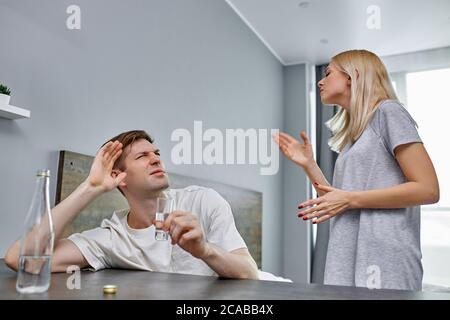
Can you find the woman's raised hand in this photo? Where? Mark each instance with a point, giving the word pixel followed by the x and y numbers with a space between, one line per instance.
pixel 294 150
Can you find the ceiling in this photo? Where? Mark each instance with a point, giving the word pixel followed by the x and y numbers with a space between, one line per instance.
pixel 298 31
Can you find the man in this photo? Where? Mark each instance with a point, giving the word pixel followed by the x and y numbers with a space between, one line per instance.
pixel 204 238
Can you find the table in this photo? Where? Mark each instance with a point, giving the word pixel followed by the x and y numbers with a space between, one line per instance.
pixel 143 285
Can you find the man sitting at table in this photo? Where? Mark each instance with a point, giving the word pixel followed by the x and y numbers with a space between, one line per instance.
pixel 204 238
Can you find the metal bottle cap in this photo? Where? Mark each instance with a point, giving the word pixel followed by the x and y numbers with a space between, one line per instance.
pixel 43 173
pixel 110 289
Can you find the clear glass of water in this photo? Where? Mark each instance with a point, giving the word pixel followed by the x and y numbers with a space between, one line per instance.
pixel 164 207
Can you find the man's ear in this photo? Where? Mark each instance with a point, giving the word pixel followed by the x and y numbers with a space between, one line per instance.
pixel 115 173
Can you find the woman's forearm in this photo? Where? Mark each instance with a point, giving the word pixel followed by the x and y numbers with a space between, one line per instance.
pixel 315 174
pixel 408 194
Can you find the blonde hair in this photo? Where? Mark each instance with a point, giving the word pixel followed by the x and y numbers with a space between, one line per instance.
pixel 370 85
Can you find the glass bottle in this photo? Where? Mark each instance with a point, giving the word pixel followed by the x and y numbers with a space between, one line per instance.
pixel 36 245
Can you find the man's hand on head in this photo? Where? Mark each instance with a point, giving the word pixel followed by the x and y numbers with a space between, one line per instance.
pixel 186 232
pixel 100 175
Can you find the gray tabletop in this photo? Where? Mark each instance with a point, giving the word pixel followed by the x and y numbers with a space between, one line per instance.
pixel 157 285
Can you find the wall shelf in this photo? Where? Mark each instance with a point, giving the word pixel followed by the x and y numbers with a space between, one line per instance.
pixel 11 112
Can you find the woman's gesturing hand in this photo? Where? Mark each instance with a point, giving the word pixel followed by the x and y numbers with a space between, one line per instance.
pixel 333 202
pixel 301 154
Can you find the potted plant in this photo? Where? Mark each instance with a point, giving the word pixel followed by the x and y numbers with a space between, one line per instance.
pixel 4 94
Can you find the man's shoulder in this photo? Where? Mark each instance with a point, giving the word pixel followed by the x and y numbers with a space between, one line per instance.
pixel 199 194
pixel 192 190
pixel 116 220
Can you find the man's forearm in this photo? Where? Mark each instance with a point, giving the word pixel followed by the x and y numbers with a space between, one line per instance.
pixel 62 215
pixel 405 195
pixel 230 265
pixel 69 208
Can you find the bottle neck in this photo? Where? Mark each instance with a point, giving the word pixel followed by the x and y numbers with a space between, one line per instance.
pixel 42 185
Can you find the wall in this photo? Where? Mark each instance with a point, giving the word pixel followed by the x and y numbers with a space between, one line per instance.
pixel 296 232
pixel 153 65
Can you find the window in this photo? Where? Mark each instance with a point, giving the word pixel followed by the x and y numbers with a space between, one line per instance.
pixel 429 104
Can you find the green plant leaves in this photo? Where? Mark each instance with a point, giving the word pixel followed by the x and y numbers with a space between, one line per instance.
pixel 5 90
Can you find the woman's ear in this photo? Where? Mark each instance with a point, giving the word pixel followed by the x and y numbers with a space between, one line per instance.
pixel 349 81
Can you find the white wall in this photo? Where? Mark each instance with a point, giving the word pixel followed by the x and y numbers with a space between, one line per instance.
pixel 296 232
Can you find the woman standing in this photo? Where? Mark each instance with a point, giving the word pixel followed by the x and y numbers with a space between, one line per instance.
pixel 381 177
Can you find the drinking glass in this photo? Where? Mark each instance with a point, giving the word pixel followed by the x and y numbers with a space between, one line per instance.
pixel 164 207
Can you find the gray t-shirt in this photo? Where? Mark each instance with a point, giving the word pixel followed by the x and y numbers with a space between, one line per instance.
pixel 376 248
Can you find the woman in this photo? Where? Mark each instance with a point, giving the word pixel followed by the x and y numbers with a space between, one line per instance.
pixel 381 177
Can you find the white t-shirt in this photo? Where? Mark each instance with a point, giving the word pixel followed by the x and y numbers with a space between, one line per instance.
pixel 115 245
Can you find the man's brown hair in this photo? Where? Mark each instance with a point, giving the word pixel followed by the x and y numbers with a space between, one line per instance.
pixel 127 139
